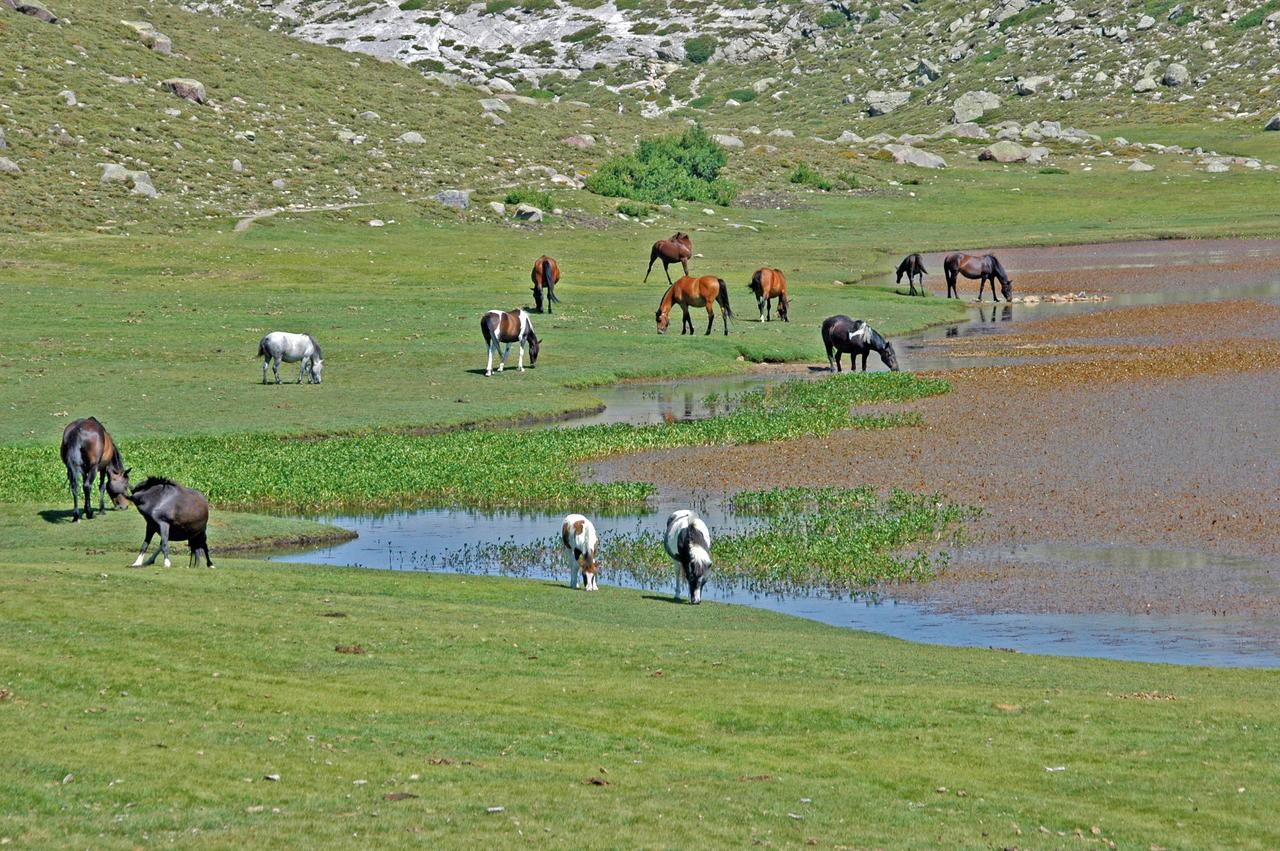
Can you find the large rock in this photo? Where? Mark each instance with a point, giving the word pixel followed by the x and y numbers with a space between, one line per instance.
pixel 412 137
pixel 883 103
pixel 1146 22
pixel 579 140
pixel 848 137
pixel 1005 152
pixel 1146 84
pixel 967 130
pixel 907 155
pixel 925 68
pixel 494 105
pixel 8 166
pixel 138 181
pixel 971 106
pixel 1176 75
pixel 36 10
pixel 1273 124
pixel 1006 10
pixel 458 199
pixel 150 36
pixel 727 141
pixel 185 87
pixel 528 213
pixel 1032 85
pixel 1139 165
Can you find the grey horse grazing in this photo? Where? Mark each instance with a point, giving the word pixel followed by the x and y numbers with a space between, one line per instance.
pixel 840 334
pixel 301 349
pixel 688 542
pixel 88 451
pixel 177 513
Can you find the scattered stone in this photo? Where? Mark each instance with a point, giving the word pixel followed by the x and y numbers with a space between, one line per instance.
pixel 150 36
pixel 907 155
pixel 498 207
pixel 3 143
pixel 727 141
pixel 1004 152
pixel 36 10
pixel 498 84
pixel 8 166
pixel 458 199
pixel 139 181
pixel 1032 85
pixel 237 166
pixel 1176 75
pixel 370 115
pixel 764 149
pixel 185 87
pixel 883 103
pixel 848 137
pixel 968 130
pixel 69 96
pixel 580 140
pixel 925 68
pixel 971 106
pixel 412 137
pixel 246 136
pixel 1139 165
pixel 1146 84
pixel 376 223
pixel 1217 167
pixel 278 183
pixel 781 133
pixel 1146 22
pixel 494 119
pixel 528 213
pixel 494 105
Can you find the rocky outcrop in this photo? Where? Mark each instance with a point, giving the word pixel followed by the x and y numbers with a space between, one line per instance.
pixel 908 155
pixel 727 141
pixel 971 106
pixel 1273 125
pixel 8 166
pixel 458 199
pixel 1032 85
pixel 138 181
pixel 528 213
pixel 150 36
pixel 186 88
pixel 883 103
pixel 34 9
pixel 1012 152
pixel 1176 75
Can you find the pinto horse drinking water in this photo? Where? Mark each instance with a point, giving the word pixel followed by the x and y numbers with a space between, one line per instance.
pixel 545 275
pixel 581 547
pixel 984 268
pixel 88 451
pixel 840 334
pixel 688 542
pixel 678 249
pixel 769 284
pixel 913 267
pixel 514 326
pixel 695 292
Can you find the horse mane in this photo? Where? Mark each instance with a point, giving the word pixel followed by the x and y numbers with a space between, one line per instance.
pixel 319 353
pixel 998 267
pixel 153 481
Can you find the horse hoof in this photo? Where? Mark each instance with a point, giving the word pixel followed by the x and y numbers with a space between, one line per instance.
pixel 487 374
pixel 168 563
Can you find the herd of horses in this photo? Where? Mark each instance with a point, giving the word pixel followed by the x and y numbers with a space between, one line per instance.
pixel 178 513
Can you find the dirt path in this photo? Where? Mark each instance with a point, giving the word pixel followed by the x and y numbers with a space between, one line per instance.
pixel 1151 427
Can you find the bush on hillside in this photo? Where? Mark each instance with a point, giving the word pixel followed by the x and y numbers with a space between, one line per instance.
pixel 668 169
pixel 536 197
pixel 699 48
pixel 807 175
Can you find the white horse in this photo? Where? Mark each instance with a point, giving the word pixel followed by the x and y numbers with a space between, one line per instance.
pixel 581 546
pixel 513 326
pixel 688 543
pixel 301 349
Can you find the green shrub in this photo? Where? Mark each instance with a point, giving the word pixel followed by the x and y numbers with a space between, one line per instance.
pixel 831 19
pixel 807 175
pixel 742 95
pixel 702 101
pixel 585 33
pixel 668 169
pixel 1257 16
pixel 873 15
pixel 850 179
pixel 1049 169
pixel 1026 16
pixel 536 197
pixel 412 5
pixel 636 211
pixel 991 55
pixel 699 48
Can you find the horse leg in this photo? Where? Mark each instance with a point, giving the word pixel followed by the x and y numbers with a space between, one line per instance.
pixel 679 576
pixel 87 483
pixel 667 271
pixel 724 317
pixel 502 364
pixel 711 320
pixel 75 495
pixel 864 360
pixel 488 367
pixel 302 365
pixel 686 324
pixel 164 543
pixel 275 368
pixel 264 368
pixel 146 542
pixel 685 265
pixel 102 489
pixel 762 303
pixel 520 354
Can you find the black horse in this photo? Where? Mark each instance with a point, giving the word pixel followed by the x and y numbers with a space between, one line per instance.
pixel 176 513
pixel 840 334
pixel 985 268
pixel 913 267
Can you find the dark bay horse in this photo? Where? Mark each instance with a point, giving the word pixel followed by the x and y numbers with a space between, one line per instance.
pixel 769 284
pixel 513 326
pixel 840 334
pixel 546 274
pixel 88 451
pixel 913 267
pixel 678 249
pixel 985 268
pixel 687 292
pixel 177 513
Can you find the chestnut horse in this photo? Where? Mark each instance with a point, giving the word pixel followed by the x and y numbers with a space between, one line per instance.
pixel 687 292
pixel 984 268
pixel 545 274
pixel 769 284
pixel 678 249
pixel 88 451
pixel 913 267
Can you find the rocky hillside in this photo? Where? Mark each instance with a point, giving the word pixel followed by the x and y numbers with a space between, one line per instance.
pixel 822 65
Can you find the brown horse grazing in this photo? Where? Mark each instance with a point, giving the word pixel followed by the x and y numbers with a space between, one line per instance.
pixel 513 326
pixel 687 292
pixel 769 284
pixel 913 267
pixel 678 249
pixel 985 268
pixel 545 274
pixel 88 451
pixel 177 513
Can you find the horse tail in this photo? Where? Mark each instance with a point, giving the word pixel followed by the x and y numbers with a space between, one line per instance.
pixel 262 347
pixel 920 265
pixel 486 330
pixel 722 298
pixel 757 285
pixel 548 281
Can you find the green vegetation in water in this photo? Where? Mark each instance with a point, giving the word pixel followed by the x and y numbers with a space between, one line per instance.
pixel 668 169
pixel 806 175
pixel 508 467
pixel 527 195
pixel 699 48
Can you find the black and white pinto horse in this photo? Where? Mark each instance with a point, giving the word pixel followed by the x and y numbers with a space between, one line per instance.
pixel 840 334
pixel 301 349
pixel 513 326
pixel 913 267
pixel 688 542
pixel 581 547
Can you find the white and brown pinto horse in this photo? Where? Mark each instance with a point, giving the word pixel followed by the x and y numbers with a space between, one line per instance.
pixel 841 335
pixel 768 284
pixel 688 542
pixel 513 326
pixel 581 547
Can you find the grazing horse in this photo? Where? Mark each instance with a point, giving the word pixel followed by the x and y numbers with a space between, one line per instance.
pixel 545 274
pixel 687 292
pixel 514 326
pixel 913 267
pixel 769 284
pixel 688 542
pixel 678 249
pixel 301 349
pixel 841 334
pixel 177 513
pixel 581 546
pixel 984 268
pixel 88 451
